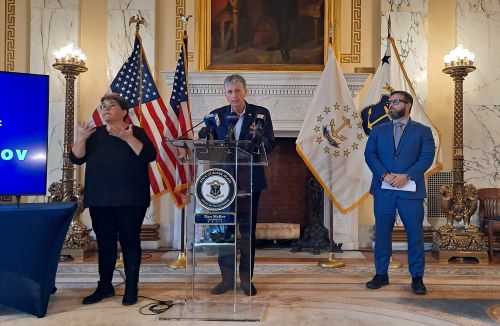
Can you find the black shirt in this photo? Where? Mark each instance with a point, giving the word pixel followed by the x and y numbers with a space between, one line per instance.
pixel 115 175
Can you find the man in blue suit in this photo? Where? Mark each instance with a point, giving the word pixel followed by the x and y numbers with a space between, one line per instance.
pixel 238 122
pixel 399 153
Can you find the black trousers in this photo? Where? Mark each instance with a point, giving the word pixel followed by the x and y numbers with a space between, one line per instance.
pixel 246 226
pixel 112 224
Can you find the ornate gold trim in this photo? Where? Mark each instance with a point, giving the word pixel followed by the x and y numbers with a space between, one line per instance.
pixel 10 31
pixel 204 12
pixel 335 22
pixel 364 70
pixel 180 9
pixel 203 42
pixel 355 55
pixel 180 6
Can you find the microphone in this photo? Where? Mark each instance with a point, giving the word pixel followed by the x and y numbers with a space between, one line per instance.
pixel 211 121
pixel 259 121
pixel 203 133
pixel 231 121
pixel 258 135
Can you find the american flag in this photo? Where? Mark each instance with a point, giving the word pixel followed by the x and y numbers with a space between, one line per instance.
pixel 166 174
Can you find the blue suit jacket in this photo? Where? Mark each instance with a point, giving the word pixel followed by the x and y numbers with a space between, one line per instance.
pixel 259 177
pixel 413 156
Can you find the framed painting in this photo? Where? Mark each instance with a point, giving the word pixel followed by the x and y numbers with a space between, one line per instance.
pixel 285 35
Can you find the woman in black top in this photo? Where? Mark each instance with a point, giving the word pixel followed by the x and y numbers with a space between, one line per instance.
pixel 117 192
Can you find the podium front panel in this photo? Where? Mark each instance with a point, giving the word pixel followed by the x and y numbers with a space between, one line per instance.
pixel 218 226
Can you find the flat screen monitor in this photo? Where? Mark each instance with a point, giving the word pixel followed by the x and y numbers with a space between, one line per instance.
pixel 24 119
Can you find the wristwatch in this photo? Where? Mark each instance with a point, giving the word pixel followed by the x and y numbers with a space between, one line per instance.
pixel 407 176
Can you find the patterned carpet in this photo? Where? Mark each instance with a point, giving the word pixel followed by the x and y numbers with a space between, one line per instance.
pixel 294 293
pixel 152 271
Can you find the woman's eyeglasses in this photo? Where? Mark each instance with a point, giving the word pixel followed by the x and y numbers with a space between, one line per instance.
pixel 109 106
pixel 396 101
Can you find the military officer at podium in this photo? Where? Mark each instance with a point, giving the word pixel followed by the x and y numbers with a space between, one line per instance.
pixel 243 121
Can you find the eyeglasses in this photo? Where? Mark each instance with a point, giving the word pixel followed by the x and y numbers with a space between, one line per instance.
pixel 396 101
pixel 109 106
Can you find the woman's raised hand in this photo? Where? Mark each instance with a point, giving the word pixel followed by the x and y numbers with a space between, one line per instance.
pixel 83 131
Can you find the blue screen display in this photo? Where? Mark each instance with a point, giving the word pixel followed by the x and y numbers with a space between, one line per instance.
pixel 24 112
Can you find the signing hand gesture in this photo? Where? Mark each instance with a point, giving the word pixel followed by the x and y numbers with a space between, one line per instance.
pixel 127 135
pixel 124 134
pixel 83 132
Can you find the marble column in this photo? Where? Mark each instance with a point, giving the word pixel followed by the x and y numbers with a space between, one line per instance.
pixel 478 27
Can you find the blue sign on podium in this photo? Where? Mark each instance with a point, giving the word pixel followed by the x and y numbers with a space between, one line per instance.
pixel 214 218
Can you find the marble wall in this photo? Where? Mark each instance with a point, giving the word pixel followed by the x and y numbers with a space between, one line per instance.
pixel 481 19
pixel 121 35
pixel 409 28
pixel 54 24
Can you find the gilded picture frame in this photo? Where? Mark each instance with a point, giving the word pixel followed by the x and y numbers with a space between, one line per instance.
pixel 269 35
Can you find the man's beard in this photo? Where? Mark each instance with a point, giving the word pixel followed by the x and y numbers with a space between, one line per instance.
pixel 396 114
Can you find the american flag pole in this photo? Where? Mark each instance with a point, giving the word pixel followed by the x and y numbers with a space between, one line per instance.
pixel 138 21
pixel 135 83
pixel 182 262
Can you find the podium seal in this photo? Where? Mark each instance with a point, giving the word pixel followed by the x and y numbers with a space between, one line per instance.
pixel 215 189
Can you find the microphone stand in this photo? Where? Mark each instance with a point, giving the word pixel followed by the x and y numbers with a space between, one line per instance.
pixel 230 133
pixel 181 137
pixel 229 138
pixel 209 138
pixel 257 146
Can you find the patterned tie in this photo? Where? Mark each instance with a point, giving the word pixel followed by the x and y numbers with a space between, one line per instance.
pixel 398 131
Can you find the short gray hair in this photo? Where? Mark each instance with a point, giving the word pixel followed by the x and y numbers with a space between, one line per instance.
pixel 231 79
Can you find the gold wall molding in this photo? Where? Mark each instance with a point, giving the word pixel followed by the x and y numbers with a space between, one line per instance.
pixel 355 55
pixel 180 10
pixel 10 34
pixel 204 43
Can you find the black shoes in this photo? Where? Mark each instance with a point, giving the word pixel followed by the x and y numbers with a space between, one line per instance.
pixel 104 290
pixel 378 281
pixel 222 287
pixel 417 285
pixel 130 296
pixel 248 290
